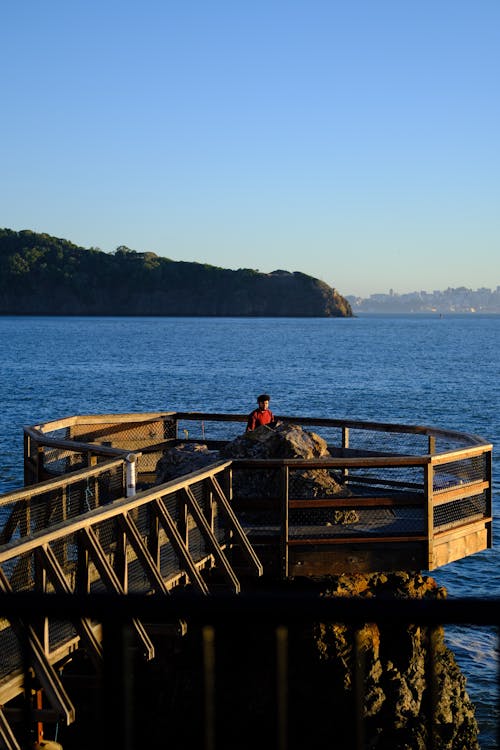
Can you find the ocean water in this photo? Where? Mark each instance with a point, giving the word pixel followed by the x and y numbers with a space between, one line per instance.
pixel 421 369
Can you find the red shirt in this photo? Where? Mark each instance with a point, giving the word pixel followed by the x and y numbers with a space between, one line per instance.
pixel 258 417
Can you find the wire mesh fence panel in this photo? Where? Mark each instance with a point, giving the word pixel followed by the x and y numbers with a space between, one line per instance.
pixel 66 551
pixel 333 436
pixel 258 500
pixel 387 442
pixel 456 512
pixel 170 563
pixel 20 572
pixel 60 632
pixel 203 430
pixel 368 502
pixel 351 522
pixel 44 509
pixel 377 480
pixel 57 461
pixel 459 472
pixel 175 504
pixel 130 435
pixel 10 650
pixel 450 442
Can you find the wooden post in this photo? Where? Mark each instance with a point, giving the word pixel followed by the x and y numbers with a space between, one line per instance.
pixel 39 724
pixel 39 462
pixel 209 504
pixel 282 686
pixel 153 539
pixel 431 445
pixel 429 512
pixel 209 509
pixel 61 547
pixel 208 637
pixel 42 623
pixel 345 444
pixel 285 476
pixel 182 518
pixel 488 477
pixel 28 471
pixel 82 584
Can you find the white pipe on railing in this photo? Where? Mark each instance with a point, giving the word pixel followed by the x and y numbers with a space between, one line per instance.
pixel 130 464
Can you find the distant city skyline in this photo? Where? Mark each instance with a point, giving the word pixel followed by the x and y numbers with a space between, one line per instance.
pixel 450 300
pixel 356 142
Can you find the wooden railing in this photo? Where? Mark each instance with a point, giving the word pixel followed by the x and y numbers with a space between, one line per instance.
pixel 150 543
pixel 409 522
pixel 441 476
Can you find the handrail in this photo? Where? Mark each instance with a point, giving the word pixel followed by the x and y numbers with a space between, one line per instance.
pixel 389 427
pixel 34 490
pixel 122 548
pixel 105 512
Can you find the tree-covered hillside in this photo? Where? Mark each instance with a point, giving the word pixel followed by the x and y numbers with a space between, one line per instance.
pixel 45 275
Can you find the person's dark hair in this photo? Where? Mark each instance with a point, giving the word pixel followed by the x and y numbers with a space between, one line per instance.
pixel 263 397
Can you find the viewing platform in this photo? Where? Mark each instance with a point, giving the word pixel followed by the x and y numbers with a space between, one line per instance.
pixel 420 496
pixel 92 518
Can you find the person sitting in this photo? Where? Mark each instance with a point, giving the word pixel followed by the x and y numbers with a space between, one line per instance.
pixel 261 415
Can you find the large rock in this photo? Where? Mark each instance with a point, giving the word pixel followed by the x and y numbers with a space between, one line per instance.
pixel 286 441
pixel 283 441
pixel 183 459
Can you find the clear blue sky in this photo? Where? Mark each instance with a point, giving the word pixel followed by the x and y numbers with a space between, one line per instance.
pixel 356 141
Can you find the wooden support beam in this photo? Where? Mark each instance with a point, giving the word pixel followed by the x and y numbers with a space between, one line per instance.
pixel 285 517
pixel 398 500
pixel 337 540
pixel 16 514
pixel 7 737
pixel 179 546
pixel 55 573
pixel 211 539
pixel 461 491
pixel 236 528
pixel 66 480
pixel 44 671
pixel 110 579
pixel 143 555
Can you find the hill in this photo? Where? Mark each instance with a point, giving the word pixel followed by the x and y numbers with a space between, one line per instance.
pixel 45 275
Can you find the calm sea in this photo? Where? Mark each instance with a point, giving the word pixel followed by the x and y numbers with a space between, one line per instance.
pixel 414 369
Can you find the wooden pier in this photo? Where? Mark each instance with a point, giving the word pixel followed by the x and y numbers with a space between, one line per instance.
pixel 91 519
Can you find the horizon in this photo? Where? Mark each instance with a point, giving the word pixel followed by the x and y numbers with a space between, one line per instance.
pixel 356 143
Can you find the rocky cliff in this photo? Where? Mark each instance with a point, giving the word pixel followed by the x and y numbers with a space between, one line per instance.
pixel 44 275
pixel 397 690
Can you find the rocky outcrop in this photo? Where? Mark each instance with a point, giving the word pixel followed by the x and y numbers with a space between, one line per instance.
pixel 321 710
pixel 287 441
pixel 183 459
pixel 397 685
pixel 283 441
